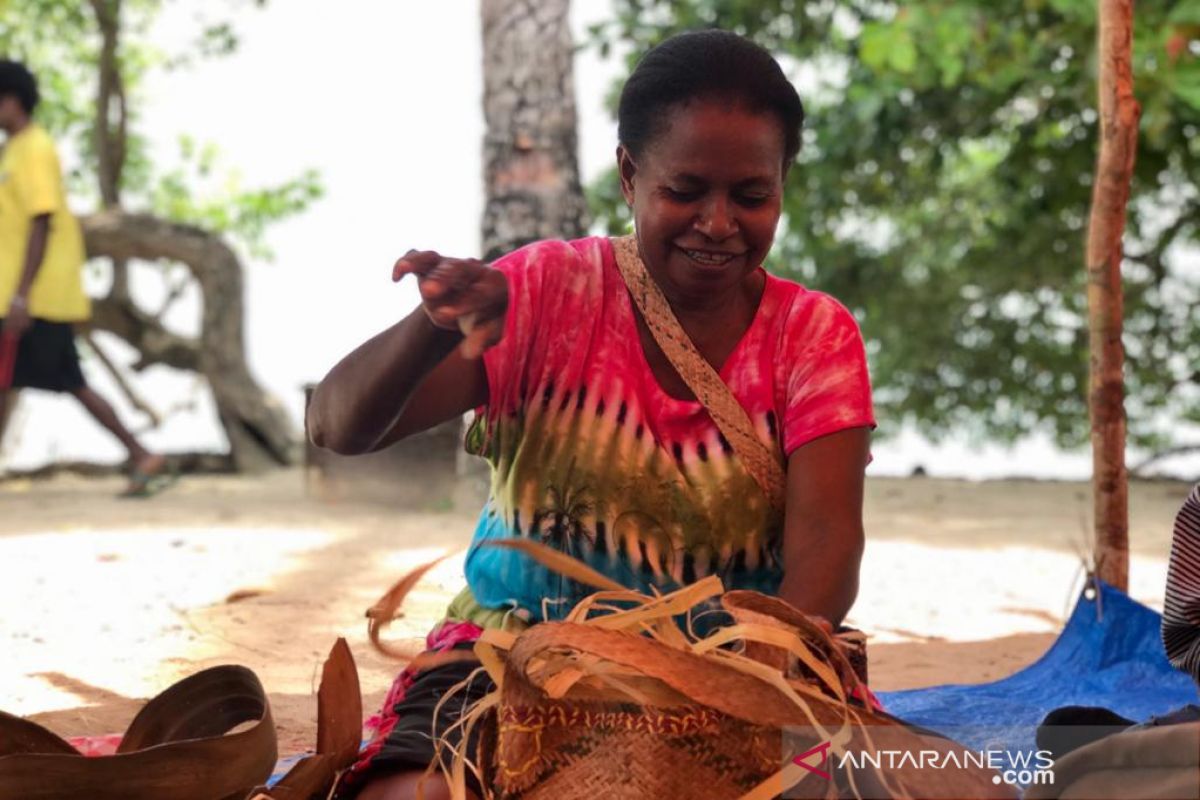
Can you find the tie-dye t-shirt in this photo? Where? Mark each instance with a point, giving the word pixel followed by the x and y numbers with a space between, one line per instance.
pixel 591 456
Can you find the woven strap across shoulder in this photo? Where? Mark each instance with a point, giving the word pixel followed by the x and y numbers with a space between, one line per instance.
pixel 699 375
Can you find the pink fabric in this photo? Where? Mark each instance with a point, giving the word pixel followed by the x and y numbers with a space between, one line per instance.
pixel 802 356
pixel 444 636
pixel 592 456
pixel 8 360
pixel 864 693
pixel 92 746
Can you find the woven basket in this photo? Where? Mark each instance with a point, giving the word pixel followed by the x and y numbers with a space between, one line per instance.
pixel 704 730
pixel 710 732
pixel 617 702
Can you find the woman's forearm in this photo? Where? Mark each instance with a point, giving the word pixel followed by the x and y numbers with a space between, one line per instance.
pixel 823 532
pixel 364 395
pixel 823 581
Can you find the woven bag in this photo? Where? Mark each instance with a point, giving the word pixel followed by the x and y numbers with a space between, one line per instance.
pixel 703 730
pixel 710 732
pixel 618 702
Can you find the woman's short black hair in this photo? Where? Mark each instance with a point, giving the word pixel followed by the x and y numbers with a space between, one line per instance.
pixel 19 82
pixel 701 65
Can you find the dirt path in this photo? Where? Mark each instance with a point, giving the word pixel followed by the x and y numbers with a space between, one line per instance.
pixel 108 601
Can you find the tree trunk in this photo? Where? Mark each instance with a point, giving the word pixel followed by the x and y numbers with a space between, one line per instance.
pixel 256 424
pixel 531 171
pixel 111 112
pixel 531 180
pixel 1119 114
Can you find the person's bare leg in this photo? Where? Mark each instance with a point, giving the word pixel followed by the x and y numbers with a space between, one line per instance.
pixel 404 787
pixel 145 461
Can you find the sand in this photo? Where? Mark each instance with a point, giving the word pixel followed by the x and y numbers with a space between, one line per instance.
pixel 108 601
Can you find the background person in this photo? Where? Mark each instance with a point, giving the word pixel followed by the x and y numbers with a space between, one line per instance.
pixel 41 273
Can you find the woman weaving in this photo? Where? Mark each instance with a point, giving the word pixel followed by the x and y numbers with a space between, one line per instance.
pixel 597 444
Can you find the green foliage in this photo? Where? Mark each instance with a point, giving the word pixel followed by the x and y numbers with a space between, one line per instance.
pixel 943 194
pixel 196 192
pixel 67 65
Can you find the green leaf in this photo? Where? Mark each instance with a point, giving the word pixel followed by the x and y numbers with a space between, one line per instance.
pixel 1079 10
pixel 903 55
pixel 875 45
pixel 1185 12
pixel 1186 86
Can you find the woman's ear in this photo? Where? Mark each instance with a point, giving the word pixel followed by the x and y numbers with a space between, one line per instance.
pixel 627 169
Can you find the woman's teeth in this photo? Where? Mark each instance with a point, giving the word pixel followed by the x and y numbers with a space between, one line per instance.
pixel 709 259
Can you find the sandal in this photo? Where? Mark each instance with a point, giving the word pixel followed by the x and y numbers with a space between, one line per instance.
pixel 143 485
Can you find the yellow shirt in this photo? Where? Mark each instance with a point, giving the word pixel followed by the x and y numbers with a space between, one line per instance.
pixel 31 184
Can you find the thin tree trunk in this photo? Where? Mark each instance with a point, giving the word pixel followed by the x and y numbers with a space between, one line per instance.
pixel 111 113
pixel 1119 114
pixel 531 171
pixel 112 124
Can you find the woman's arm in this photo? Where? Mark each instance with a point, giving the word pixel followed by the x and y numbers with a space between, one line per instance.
pixel 423 370
pixel 823 529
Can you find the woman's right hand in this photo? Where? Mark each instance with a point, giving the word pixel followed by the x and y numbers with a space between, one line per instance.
pixel 461 294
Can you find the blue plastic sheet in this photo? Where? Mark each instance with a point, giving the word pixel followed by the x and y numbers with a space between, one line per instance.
pixel 1109 654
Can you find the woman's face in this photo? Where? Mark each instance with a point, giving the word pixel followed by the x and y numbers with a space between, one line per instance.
pixel 706 194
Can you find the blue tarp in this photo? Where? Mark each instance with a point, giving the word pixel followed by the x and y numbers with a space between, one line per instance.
pixel 1109 654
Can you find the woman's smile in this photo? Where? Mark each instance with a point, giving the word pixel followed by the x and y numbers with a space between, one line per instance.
pixel 707 260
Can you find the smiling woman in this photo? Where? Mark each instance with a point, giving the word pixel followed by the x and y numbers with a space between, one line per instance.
pixel 602 440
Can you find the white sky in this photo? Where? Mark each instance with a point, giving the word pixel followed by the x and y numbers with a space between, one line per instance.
pixel 383 98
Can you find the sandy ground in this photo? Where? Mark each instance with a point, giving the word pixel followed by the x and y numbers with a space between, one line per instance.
pixel 106 601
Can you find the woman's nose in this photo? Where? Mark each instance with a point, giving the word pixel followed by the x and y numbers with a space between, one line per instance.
pixel 715 221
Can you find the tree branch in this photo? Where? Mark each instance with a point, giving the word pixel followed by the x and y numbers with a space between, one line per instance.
pixel 154 343
pixel 132 396
pixel 119 290
pixel 256 424
pixel 1170 452
pixel 1154 259
pixel 174 292
pixel 189 463
pixel 172 410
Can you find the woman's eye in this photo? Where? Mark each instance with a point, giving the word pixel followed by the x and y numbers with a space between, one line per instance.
pixel 682 195
pixel 753 200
